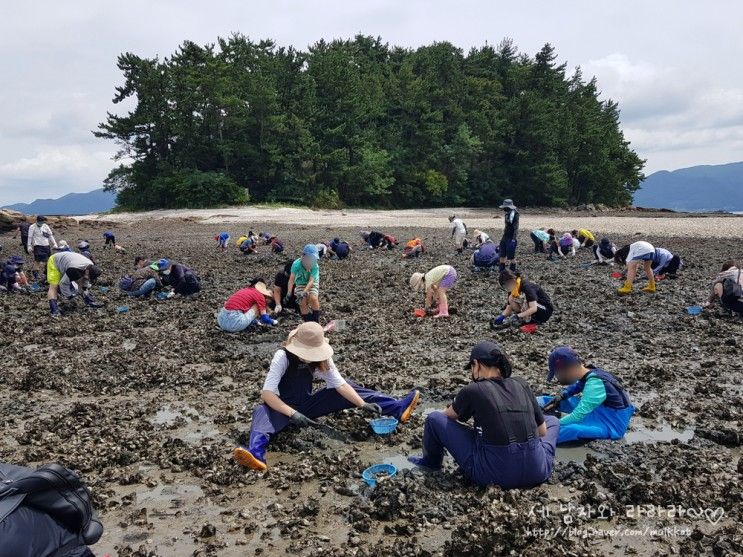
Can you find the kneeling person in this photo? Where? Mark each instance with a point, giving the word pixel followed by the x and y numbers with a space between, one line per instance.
pixel 244 307
pixel 595 403
pixel 511 444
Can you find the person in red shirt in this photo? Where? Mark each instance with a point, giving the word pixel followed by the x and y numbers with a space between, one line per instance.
pixel 245 306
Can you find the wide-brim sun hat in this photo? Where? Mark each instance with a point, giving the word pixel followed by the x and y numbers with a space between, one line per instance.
pixel 308 342
pixel 262 288
pixel 416 280
pixel 508 204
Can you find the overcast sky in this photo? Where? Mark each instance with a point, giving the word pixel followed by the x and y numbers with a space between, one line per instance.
pixel 673 65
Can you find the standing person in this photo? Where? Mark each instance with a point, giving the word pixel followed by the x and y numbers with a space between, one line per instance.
pixel 110 240
pixel 540 237
pixel 183 280
pixel 509 240
pixel 512 444
pixel 436 283
pixel 40 243
pixel 585 237
pixel 527 302
pixel 222 239
pixel 728 288
pixel 595 404
pixel 64 272
pixel 633 255
pixel 665 264
pixel 22 229
pixel 244 307
pixel 304 283
pixel 339 249
pixel 282 299
pixel 288 399
pixel 458 232
pixel 485 257
pixel 604 252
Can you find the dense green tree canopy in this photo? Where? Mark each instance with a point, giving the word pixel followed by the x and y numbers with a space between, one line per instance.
pixel 361 123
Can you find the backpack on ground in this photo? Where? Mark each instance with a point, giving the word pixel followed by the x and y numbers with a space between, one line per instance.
pixel 54 490
pixel 125 283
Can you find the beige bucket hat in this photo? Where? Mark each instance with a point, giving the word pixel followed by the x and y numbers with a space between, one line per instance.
pixel 262 288
pixel 308 342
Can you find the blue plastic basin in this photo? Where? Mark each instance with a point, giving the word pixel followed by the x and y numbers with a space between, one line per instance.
pixel 371 474
pixel 383 426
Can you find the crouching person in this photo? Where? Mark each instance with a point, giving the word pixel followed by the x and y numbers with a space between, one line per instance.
pixel 180 278
pixel 436 282
pixel 141 283
pixel 595 404
pixel 511 444
pixel 288 398
pixel 67 273
pixel 246 305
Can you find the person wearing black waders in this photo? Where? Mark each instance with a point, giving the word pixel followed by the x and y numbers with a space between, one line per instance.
pixel 288 398
pixel 512 444
pixel 509 239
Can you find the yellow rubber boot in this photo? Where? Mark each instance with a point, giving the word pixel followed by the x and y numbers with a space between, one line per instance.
pixel 625 289
pixel 650 288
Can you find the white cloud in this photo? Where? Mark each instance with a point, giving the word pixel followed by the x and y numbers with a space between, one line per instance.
pixel 669 64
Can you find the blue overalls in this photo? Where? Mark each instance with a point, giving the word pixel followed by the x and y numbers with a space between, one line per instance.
pixel 295 389
pixel 516 465
pixel 608 421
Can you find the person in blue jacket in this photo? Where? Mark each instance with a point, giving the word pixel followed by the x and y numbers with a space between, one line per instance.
pixel 110 239
pixel 485 257
pixel 339 249
pixel 223 238
pixel 594 405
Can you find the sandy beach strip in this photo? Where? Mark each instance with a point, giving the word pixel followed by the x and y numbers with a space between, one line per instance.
pixel 679 225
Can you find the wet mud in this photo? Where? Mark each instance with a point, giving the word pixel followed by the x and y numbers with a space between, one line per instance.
pixel 147 405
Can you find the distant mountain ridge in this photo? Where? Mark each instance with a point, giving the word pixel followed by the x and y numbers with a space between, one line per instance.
pixel 698 188
pixel 96 201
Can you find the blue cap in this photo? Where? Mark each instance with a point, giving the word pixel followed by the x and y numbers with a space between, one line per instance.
pixel 560 357
pixel 160 265
pixel 310 250
pixel 16 260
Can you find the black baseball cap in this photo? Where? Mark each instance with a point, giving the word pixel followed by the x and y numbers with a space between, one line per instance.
pixel 486 350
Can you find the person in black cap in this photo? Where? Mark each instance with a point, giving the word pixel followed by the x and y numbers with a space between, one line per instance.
pixel 22 229
pixel 512 444
pixel 509 239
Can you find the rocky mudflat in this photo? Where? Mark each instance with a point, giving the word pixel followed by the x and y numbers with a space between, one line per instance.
pixel 147 405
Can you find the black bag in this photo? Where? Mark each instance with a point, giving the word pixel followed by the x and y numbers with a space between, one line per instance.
pixel 732 291
pixel 54 490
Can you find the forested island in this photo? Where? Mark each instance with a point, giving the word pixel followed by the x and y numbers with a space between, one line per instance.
pixel 362 123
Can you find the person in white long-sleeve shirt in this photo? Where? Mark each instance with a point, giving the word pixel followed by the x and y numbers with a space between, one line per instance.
pixel 40 243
